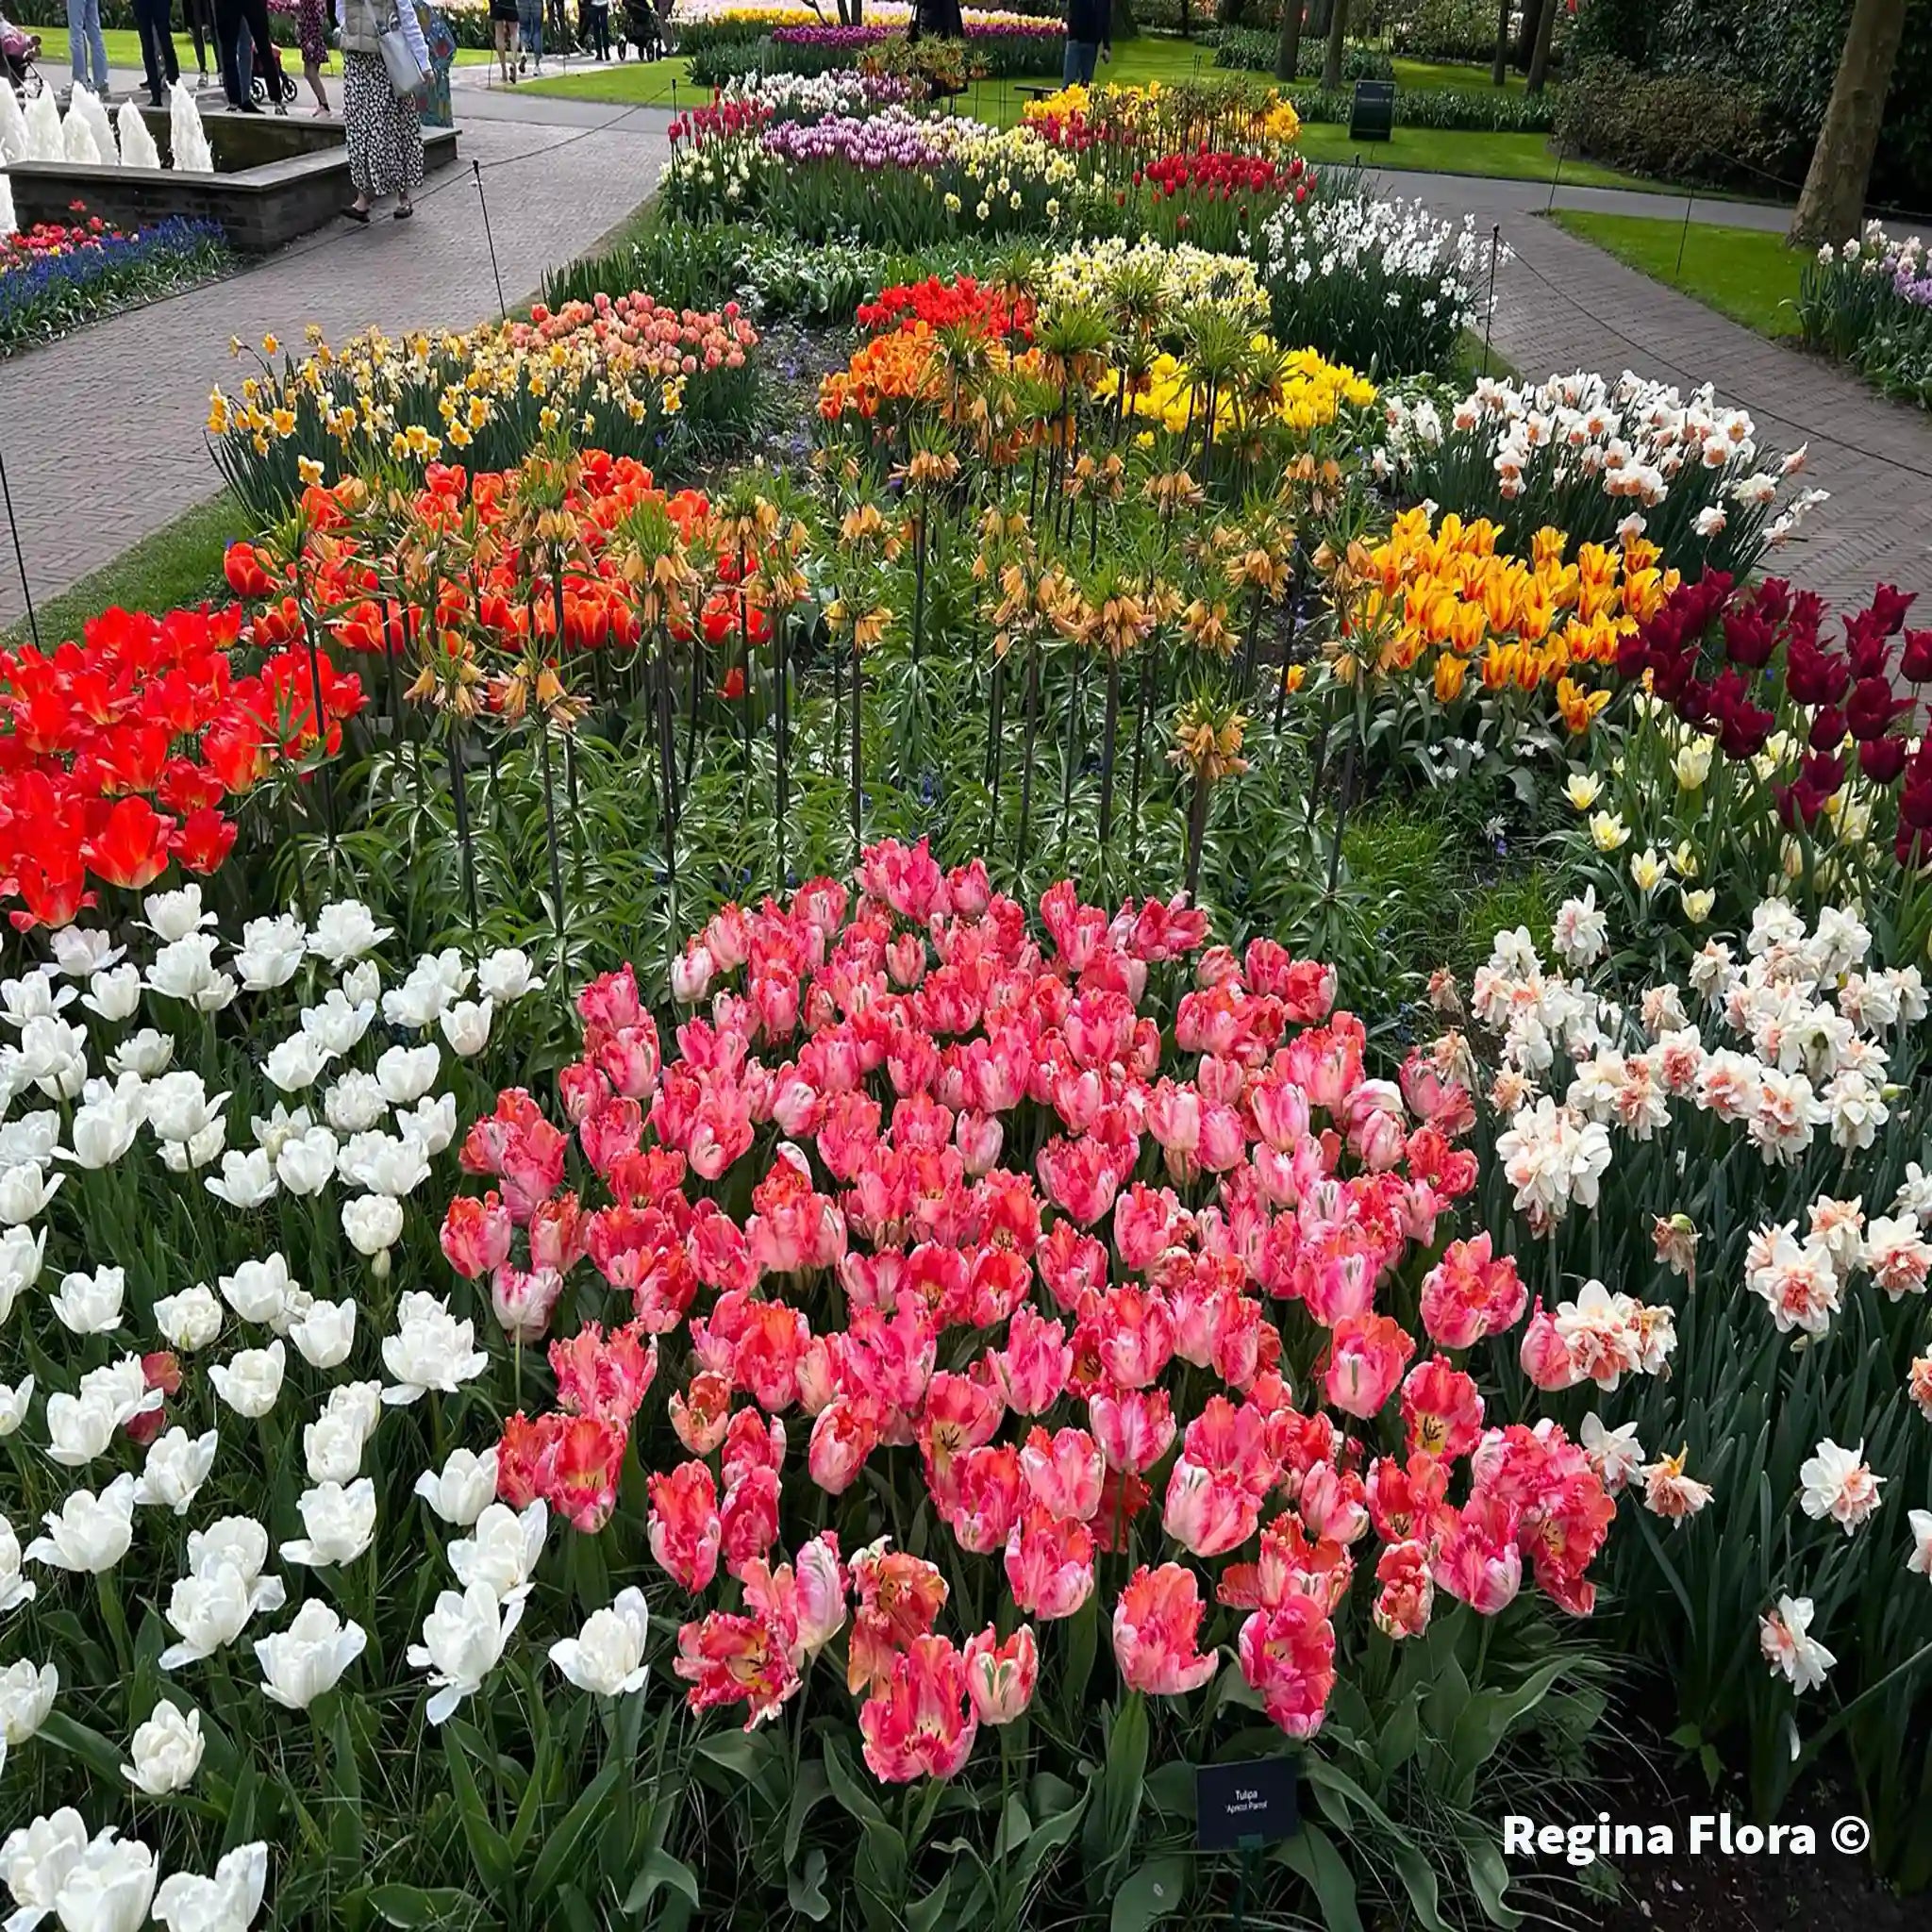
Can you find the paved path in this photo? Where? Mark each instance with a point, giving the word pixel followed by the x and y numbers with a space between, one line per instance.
pixel 1563 305
pixel 102 431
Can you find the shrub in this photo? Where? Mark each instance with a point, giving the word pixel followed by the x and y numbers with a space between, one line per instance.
pixel 1447 30
pixel 1678 126
pixel 1252 48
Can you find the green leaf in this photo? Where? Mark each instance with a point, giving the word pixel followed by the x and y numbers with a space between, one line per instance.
pixel 805 1890
pixel 93 1750
pixel 489 1851
pixel 924 1916
pixel 1312 1857
pixel 847 1790
pixel 879 1871
pixel 1489 1878
pixel 560 1848
pixel 1116 1800
pixel 1151 1891
pixel 659 1869
pixel 1486 1718
pixel 412 1906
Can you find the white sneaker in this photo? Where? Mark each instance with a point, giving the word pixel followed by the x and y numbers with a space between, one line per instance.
pixel 200 83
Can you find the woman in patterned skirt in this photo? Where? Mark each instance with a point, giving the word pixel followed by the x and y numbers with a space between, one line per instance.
pixel 385 131
pixel 311 31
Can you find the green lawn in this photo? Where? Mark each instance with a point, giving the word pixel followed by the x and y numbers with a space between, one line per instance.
pixel 626 83
pixel 1747 274
pixel 1438 76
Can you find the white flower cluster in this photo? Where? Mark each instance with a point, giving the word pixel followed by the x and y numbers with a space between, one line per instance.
pixel 107 1883
pixel 806 96
pixel 1811 1016
pixel 1390 243
pixel 1632 438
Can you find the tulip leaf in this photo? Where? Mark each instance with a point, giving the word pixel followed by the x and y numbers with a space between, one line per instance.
pixel 879 1870
pixel 412 1906
pixel 560 1848
pixel 1115 1804
pixel 489 1851
pixel 659 1869
pixel 848 1791
pixel 78 1741
pixel 1489 1878
pixel 1148 1894
pixel 1310 1854
pixel 804 1890
pixel 1489 1715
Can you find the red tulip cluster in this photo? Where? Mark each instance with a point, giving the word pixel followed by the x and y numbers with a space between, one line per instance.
pixel 960 303
pixel 123 747
pixel 1213 174
pixel 1008 1224
pixel 724 116
pixel 1717 656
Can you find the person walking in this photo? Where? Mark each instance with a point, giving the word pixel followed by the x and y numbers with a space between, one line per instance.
pixel 597 18
pixel 199 16
pixel 152 21
pixel 385 127
pixel 529 34
pixel 86 49
pixel 505 20
pixel 1090 38
pixel 311 35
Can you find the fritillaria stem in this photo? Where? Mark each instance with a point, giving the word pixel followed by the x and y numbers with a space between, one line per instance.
pixel 857 734
pixel 1107 730
pixel 1197 834
pixel 1073 755
pixel 459 792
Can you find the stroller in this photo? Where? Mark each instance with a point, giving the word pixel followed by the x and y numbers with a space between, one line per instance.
pixel 271 84
pixel 19 50
pixel 644 27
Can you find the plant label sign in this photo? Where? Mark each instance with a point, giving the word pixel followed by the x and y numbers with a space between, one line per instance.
pixel 1241 1805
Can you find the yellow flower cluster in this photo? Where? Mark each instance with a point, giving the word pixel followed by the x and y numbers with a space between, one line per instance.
pixel 1444 599
pixel 1271 122
pixel 1092 274
pixel 1297 388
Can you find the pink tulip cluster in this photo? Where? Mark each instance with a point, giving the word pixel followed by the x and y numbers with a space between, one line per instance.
pixel 977 1143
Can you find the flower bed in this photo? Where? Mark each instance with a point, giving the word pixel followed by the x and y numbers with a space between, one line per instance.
pixel 1870 303
pixel 56 277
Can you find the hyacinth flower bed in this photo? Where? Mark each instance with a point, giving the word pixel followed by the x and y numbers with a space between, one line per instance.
pixel 750 1174
pixel 55 278
pixel 1869 302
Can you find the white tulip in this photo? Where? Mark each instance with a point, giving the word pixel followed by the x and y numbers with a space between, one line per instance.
pixel 505 975
pixel 24 1191
pixel 211 1606
pixel 271 952
pixel 463 1489
pixel 344 930
pixel 88 1532
pixel 336 1023
pixel 35 1861
pixel 190 1319
pixel 355 1102
pixel 79 1429
pixel 53 1057
pixel 114 993
pixel 165 1751
pixel 431 1124
pixel 147 1053
pixel 123 1385
pixel 172 916
pixel 110 1888
pixel 177 1465
pixel 407 1073
pixel 274 1131
pixel 373 1223
pixel 251 1378
pixel 431 1349
pixel 502 1550
pixel 81 951
pixel 91 1304
pixel 32 1136
pixel 26 1696
pixel 341 1523
pixel 32 996
pixel 358 1402
pixel 307 1166
pixel 332 1448
pixel 298 1664
pixel 228 1902
pixel 362 983
pixel 13 1401
pixel 462 1640
pixel 248 1179
pixel 466 1027
pixel 238 1540
pixel 327 1331
pixel 15 1590
pixel 391 1164
pixel 186 971
pixel 606 1657
pixel 180 1108
pixel 22 1253
pixel 260 1291
pixel 297 1062
pixel 104 1129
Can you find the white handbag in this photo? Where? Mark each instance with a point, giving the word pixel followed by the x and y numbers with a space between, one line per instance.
pixel 406 75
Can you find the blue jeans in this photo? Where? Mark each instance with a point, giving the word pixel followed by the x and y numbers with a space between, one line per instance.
pixel 84 39
pixel 1081 55
pixel 531 27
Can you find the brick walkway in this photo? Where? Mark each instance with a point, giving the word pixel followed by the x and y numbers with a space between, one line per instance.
pixel 102 431
pixel 1564 305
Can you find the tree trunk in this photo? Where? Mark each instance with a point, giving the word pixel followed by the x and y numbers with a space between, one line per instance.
pixel 1338 34
pixel 1499 68
pixel 1318 16
pixel 1229 12
pixel 1288 45
pixel 1833 202
pixel 1545 33
pixel 1526 31
pixel 1125 28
